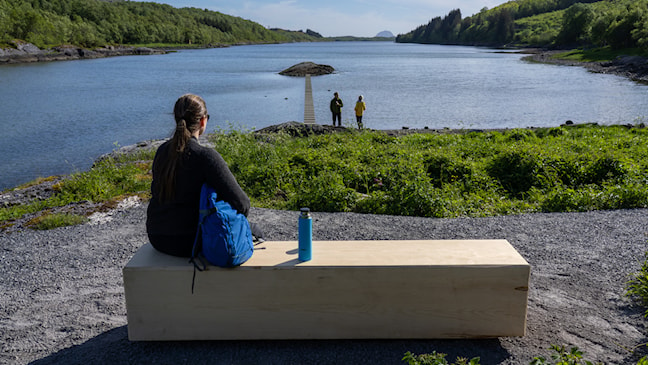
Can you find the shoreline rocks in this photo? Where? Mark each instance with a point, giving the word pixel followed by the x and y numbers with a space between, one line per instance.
pixel 29 53
pixel 632 67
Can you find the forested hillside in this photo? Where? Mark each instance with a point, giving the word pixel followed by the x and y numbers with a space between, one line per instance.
pixel 544 23
pixel 90 23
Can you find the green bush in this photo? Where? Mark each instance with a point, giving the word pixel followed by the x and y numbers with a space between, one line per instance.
pixel 567 200
pixel 436 359
pixel 603 169
pixel 562 356
pixel 637 286
pixel 444 169
pixel 576 168
pixel 519 171
pixel 325 192
pixel 520 135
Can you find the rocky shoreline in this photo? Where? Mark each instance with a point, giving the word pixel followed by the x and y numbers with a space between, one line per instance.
pixel 632 67
pixel 29 53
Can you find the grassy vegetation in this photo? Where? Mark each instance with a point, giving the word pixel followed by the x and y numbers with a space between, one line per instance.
pixel 563 169
pixel 472 174
pixel 562 356
pixel 637 287
pixel 538 30
pixel 50 221
pixel 107 182
pixel 618 24
pixel 436 359
pixel 600 54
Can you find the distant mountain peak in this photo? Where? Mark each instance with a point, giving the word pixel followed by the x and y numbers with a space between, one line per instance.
pixel 385 34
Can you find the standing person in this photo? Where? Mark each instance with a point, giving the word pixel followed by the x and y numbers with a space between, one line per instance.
pixel 359 110
pixel 180 167
pixel 336 109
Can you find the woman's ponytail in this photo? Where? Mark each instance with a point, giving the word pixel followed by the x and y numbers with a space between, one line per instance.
pixel 181 136
pixel 188 111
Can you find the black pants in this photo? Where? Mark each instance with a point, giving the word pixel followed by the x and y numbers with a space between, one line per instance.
pixel 182 245
pixel 339 118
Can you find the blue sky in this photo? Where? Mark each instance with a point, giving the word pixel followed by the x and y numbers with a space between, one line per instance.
pixel 362 18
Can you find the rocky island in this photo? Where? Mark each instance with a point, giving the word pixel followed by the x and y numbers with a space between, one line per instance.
pixel 307 68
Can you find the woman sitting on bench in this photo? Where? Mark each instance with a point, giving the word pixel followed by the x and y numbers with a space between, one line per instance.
pixel 180 167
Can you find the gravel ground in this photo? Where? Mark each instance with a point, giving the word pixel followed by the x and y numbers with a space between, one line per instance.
pixel 63 300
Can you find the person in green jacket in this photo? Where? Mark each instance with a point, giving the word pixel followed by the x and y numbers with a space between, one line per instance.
pixel 336 109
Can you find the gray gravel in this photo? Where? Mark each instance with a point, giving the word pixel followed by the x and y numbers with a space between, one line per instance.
pixel 63 300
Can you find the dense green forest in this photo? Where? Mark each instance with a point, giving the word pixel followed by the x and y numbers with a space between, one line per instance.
pixel 91 23
pixel 543 23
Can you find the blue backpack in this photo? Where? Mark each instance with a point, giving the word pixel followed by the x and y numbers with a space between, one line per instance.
pixel 223 237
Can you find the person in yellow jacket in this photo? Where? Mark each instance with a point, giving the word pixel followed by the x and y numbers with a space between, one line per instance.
pixel 359 110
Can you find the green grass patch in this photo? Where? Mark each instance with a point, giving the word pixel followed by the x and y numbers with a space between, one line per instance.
pixel 108 179
pixel 563 356
pixel 436 359
pixel 563 169
pixel 51 221
pixel 601 54
pixel 637 286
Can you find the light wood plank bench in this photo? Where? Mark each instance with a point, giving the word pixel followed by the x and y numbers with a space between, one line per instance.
pixel 349 290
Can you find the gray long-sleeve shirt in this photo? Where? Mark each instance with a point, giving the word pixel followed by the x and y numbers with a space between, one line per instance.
pixel 177 220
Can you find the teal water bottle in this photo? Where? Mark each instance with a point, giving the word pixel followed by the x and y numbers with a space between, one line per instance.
pixel 305 235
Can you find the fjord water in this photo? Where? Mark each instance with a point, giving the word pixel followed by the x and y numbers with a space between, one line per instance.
pixel 59 117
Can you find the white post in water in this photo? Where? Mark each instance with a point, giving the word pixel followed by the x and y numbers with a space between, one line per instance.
pixel 309 110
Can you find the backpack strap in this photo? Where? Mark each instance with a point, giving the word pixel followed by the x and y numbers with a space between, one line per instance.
pixel 197 258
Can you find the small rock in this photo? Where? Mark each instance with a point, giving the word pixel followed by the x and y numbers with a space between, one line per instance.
pixel 144 51
pixel 26 47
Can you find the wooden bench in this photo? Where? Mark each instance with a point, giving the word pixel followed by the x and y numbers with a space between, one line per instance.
pixel 349 290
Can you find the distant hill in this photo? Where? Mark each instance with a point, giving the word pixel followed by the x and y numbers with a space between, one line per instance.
pixel 542 23
pixel 385 34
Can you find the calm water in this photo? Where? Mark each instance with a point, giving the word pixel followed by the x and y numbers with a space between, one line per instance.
pixel 58 117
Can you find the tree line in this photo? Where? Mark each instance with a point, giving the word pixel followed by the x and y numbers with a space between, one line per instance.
pixel 545 23
pixel 91 23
